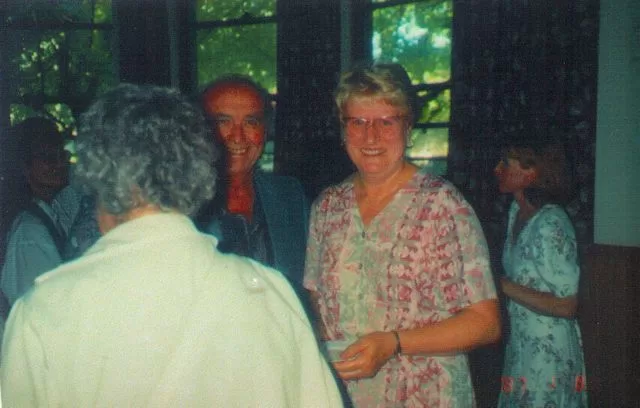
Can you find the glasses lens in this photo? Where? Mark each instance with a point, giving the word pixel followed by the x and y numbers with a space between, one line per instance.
pixel 385 126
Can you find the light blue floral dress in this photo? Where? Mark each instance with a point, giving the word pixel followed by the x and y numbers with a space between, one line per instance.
pixel 544 364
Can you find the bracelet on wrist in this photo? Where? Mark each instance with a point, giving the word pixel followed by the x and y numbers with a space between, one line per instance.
pixel 398 349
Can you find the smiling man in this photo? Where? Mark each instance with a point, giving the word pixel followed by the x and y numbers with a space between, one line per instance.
pixel 264 216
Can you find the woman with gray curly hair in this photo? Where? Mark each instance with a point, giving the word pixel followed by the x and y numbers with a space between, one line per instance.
pixel 105 169
pixel 156 156
pixel 153 314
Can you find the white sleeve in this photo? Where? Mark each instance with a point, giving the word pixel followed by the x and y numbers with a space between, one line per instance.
pixel 23 371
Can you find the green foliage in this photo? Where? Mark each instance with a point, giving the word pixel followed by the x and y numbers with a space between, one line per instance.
pixel 418 36
pixel 31 12
pixel 248 49
pixel 428 143
pixel 223 10
pixel 436 106
pixel 57 72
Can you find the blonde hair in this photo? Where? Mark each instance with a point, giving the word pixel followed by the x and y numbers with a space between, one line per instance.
pixel 388 82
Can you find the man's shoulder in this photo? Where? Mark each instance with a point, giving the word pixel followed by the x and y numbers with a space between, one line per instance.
pixel 279 190
pixel 28 225
pixel 279 181
pixel 25 217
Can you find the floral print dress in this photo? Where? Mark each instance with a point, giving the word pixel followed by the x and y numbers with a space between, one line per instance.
pixel 419 261
pixel 544 364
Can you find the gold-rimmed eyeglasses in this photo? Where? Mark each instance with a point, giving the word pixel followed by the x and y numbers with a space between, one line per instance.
pixel 385 126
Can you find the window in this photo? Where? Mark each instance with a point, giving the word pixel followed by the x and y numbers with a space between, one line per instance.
pixel 238 36
pixel 58 57
pixel 417 34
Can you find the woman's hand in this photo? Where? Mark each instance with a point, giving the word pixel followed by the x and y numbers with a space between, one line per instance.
pixel 364 358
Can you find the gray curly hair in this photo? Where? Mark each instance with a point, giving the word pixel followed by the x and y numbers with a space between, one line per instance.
pixel 143 144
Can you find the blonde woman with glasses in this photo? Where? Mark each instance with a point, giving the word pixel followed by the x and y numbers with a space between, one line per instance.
pixel 397 264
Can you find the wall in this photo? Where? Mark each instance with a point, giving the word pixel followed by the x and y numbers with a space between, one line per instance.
pixel 609 316
pixel 609 309
pixel 617 196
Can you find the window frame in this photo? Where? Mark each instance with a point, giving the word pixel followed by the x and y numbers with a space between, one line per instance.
pixel 357 46
pixel 9 27
pixel 267 159
pixel 245 20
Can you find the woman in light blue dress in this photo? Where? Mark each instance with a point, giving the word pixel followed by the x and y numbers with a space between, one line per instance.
pixel 544 364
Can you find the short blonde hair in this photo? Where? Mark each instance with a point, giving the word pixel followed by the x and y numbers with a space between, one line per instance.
pixel 388 82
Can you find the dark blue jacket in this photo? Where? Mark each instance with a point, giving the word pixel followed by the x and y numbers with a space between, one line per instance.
pixel 286 212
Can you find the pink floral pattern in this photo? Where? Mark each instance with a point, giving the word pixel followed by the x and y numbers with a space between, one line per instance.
pixel 419 261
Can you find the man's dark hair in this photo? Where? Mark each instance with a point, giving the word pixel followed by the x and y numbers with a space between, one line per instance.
pixel 33 134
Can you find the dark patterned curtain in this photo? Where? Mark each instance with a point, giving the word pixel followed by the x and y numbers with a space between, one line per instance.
pixel 520 67
pixel 307 130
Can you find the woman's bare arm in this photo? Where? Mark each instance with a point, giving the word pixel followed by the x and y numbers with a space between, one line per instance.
pixel 474 326
pixel 540 302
